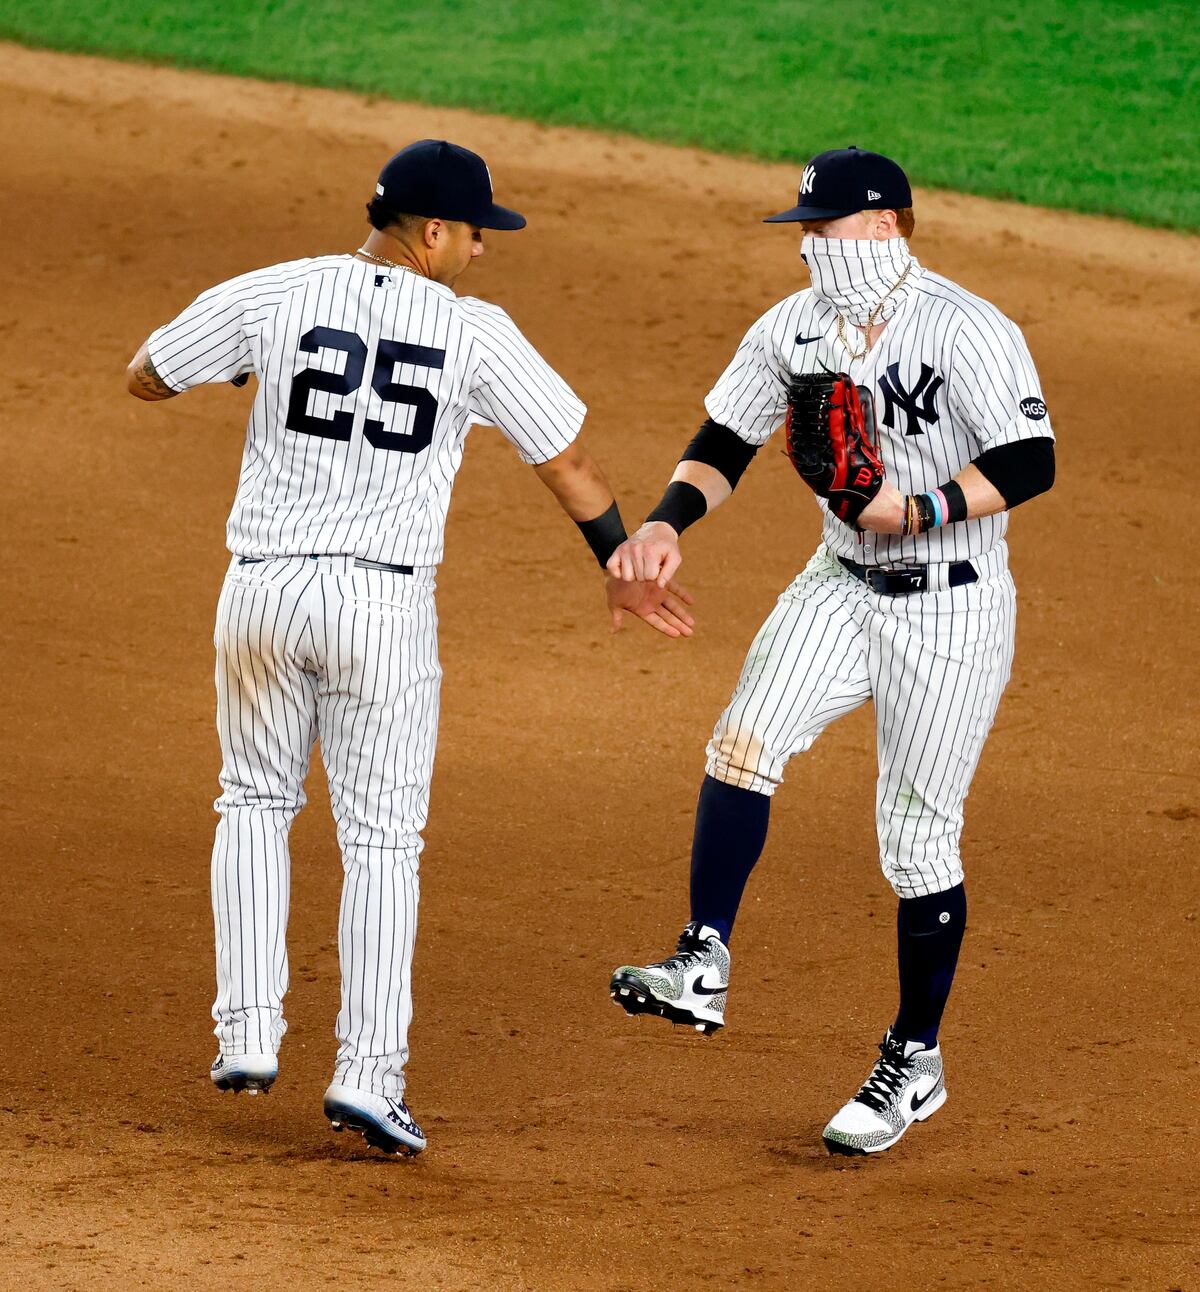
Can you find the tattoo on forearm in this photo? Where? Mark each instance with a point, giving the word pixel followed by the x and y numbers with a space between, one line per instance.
pixel 147 378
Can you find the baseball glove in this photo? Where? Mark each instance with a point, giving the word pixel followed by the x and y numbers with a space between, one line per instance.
pixel 831 441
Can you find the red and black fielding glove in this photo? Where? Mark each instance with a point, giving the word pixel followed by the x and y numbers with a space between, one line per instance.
pixel 830 438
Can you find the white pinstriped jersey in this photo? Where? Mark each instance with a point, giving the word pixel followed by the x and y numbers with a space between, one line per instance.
pixel 369 380
pixel 951 375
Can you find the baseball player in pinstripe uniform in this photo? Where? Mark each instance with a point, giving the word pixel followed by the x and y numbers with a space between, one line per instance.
pixel 370 373
pixel 912 608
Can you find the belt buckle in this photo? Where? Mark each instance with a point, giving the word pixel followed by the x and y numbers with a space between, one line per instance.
pixel 897 581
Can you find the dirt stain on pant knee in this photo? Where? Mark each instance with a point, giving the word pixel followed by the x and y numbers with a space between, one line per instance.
pixel 741 752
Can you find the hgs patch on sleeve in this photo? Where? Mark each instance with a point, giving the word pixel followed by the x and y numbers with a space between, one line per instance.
pixel 1034 409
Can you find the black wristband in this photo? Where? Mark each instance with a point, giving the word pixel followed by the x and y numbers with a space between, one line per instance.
pixel 956 502
pixel 682 505
pixel 604 534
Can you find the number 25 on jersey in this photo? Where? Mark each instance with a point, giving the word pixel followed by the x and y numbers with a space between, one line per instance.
pixel 337 425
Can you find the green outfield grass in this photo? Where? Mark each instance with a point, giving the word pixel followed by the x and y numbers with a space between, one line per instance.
pixel 1087 104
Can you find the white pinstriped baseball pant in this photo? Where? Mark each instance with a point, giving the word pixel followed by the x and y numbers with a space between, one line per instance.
pixel 935 663
pixel 310 646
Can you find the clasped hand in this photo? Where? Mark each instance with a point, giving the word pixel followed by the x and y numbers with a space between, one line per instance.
pixel 640 581
pixel 651 556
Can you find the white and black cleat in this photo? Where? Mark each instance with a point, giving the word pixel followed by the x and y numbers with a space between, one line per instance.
pixel 688 988
pixel 386 1124
pixel 906 1085
pixel 253 1073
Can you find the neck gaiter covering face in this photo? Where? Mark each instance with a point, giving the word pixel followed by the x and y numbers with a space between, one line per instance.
pixel 855 274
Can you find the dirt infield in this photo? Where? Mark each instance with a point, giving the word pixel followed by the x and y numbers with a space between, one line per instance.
pixel 571 1147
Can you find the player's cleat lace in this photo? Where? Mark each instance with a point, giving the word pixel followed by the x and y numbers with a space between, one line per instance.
pixel 386 1124
pixel 891 1071
pixel 688 987
pixel 253 1073
pixel 906 1085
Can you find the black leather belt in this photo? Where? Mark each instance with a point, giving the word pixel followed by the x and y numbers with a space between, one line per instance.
pixel 900 580
pixel 361 562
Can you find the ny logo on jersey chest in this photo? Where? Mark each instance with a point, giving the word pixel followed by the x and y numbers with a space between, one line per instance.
pixel 917 403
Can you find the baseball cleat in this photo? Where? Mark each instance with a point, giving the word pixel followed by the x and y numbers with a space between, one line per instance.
pixel 253 1073
pixel 906 1085
pixel 385 1124
pixel 688 987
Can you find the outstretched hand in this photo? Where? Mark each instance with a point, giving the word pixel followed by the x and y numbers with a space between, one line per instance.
pixel 662 608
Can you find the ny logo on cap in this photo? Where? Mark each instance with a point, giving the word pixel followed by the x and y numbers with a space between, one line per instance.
pixel 806 180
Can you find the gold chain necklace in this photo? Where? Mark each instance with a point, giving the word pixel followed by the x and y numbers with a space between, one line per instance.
pixel 872 318
pixel 383 260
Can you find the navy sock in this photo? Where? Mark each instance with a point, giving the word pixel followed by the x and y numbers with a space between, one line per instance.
pixel 929 932
pixel 731 828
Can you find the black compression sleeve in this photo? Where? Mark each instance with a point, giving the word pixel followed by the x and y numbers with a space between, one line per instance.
pixel 722 449
pixel 604 534
pixel 1019 471
pixel 682 505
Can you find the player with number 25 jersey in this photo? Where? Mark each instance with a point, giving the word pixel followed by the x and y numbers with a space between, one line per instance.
pixel 371 371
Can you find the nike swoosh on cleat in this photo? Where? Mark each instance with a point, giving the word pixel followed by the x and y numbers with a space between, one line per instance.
pixel 918 1103
pixel 701 990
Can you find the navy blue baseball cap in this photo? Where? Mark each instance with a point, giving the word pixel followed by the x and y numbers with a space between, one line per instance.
pixel 442 181
pixel 845 181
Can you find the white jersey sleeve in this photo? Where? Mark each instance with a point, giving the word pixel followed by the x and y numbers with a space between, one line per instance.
pixel 207 342
pixel 515 389
pixel 994 387
pixel 750 396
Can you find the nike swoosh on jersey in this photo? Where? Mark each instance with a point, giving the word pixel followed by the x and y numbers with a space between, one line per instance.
pixel 806 340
